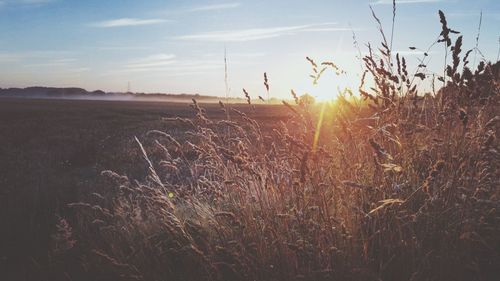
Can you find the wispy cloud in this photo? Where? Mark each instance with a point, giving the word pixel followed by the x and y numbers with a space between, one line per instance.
pixel 215 7
pixel 167 64
pixel 54 66
pixel 127 22
pixel 150 62
pixel 29 55
pixel 77 70
pixel 258 33
pixel 244 55
pixel 201 8
pixel 10 57
pixel 389 2
pixel 121 48
pixel 53 63
pixel 327 29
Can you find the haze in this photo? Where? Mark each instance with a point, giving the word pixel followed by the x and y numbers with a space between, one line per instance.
pixel 178 46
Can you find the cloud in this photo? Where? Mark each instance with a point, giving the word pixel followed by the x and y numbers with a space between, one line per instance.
pixel 121 48
pixel 10 57
pixel 30 55
pixel 53 63
pixel 244 55
pixel 127 22
pixel 257 33
pixel 327 29
pixel 171 65
pixel 215 7
pixel 58 66
pixel 389 2
pixel 77 70
pixel 167 64
pixel 150 62
pixel 202 8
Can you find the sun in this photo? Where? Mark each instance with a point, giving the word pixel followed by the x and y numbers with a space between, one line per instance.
pixel 328 87
pixel 327 90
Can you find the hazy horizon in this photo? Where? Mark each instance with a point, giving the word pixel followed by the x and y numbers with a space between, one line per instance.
pixel 178 46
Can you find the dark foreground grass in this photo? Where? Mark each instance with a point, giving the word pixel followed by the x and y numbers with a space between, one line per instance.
pixel 52 152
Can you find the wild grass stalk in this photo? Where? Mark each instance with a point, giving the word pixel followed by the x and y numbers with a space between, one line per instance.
pixel 376 190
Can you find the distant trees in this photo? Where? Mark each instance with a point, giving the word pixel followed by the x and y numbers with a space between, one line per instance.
pixel 307 100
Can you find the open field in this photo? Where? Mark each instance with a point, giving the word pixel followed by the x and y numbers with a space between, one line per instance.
pixel 264 196
pixel 51 150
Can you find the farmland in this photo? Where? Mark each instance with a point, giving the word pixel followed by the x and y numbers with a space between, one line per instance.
pixel 52 150
pixel 391 180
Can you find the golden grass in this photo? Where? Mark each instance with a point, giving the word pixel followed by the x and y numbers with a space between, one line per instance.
pixel 397 185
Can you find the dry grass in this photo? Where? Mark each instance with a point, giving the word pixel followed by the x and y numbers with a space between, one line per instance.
pixel 400 185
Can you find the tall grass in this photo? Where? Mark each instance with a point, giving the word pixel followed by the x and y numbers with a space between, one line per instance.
pixel 400 185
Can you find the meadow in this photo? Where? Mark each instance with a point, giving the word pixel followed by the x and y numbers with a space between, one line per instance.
pixel 390 184
pixel 53 151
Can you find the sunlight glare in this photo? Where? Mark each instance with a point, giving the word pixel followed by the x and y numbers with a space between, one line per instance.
pixel 318 127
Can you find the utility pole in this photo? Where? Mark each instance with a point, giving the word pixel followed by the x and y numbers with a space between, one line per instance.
pixel 226 82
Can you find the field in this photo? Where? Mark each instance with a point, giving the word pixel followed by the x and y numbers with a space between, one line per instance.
pixel 386 182
pixel 52 150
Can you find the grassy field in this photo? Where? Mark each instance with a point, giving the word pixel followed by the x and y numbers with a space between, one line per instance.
pixel 52 150
pixel 392 183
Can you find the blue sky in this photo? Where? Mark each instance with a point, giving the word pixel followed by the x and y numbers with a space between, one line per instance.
pixel 178 46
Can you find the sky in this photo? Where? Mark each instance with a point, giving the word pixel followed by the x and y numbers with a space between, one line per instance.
pixel 178 46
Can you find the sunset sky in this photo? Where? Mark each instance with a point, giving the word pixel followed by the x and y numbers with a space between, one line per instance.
pixel 178 46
